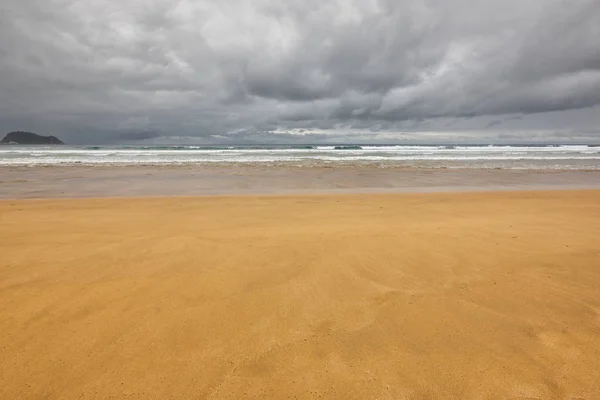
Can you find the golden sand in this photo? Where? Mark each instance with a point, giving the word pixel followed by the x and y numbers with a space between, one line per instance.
pixel 414 296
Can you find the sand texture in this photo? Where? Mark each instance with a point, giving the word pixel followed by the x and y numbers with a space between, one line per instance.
pixel 410 296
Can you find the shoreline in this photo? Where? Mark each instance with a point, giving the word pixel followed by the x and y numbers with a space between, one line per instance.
pixel 139 181
pixel 304 194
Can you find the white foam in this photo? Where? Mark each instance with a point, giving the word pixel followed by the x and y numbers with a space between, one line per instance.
pixel 569 156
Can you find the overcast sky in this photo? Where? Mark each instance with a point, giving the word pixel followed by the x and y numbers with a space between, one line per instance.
pixel 99 71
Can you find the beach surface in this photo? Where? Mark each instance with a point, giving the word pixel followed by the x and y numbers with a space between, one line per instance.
pixel 362 296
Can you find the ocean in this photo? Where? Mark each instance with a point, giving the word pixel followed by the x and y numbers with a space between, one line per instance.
pixel 569 157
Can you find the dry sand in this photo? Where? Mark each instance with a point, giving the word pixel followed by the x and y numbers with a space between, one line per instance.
pixel 412 296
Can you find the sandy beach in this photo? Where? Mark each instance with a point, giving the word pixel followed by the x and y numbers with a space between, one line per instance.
pixel 369 296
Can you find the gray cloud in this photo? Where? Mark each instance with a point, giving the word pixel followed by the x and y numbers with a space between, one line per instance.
pixel 136 70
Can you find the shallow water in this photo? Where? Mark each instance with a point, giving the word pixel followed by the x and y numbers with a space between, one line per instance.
pixel 217 179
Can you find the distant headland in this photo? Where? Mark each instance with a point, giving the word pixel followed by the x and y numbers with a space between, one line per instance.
pixel 20 137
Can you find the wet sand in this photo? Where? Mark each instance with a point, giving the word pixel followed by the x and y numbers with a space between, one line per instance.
pixel 194 180
pixel 369 296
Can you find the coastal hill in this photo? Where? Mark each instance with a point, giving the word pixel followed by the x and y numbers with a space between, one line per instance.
pixel 19 137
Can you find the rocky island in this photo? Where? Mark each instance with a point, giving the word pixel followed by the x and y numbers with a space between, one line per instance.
pixel 20 137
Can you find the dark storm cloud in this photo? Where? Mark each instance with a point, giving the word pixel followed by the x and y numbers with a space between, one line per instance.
pixel 136 69
pixel 128 136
